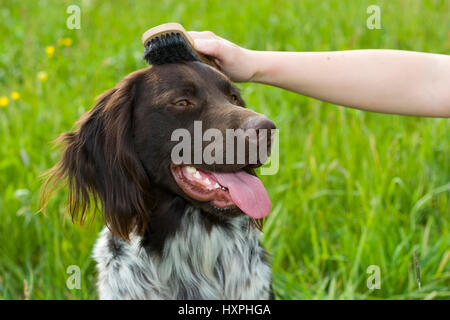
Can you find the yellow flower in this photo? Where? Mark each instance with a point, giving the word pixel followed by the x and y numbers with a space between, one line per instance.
pixel 42 76
pixel 50 50
pixel 15 95
pixel 66 42
pixel 4 101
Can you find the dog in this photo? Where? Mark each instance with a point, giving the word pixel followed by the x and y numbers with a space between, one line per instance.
pixel 173 231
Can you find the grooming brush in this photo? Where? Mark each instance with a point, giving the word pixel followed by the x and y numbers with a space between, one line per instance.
pixel 170 43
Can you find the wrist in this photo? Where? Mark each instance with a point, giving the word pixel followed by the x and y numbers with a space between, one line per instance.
pixel 258 69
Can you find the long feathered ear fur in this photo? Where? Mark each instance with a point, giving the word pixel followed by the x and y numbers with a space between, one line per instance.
pixel 100 165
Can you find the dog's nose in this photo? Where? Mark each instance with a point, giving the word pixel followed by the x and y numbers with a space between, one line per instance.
pixel 263 128
pixel 259 122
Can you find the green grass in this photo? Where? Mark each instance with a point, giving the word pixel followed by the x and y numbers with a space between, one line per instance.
pixel 354 189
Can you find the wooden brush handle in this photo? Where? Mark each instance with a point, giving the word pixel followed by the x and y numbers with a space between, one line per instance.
pixel 174 27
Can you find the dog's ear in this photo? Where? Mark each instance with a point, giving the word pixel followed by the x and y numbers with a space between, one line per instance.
pixel 101 165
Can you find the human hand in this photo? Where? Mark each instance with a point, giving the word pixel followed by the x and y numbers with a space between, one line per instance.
pixel 236 62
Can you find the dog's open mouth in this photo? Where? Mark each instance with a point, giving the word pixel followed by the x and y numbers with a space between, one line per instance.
pixel 224 190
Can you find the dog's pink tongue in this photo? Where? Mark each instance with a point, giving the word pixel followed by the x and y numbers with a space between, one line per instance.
pixel 247 192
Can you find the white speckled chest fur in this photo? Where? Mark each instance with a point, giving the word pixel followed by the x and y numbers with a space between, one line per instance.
pixel 225 262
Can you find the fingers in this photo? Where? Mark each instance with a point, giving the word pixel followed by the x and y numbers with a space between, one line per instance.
pixel 207 43
pixel 209 47
pixel 202 35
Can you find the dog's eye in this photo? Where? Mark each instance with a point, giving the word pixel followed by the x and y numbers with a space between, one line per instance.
pixel 182 103
pixel 234 99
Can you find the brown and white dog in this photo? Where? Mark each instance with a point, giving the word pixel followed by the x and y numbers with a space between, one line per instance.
pixel 173 231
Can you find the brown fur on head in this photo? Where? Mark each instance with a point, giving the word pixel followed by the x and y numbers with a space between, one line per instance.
pixel 100 164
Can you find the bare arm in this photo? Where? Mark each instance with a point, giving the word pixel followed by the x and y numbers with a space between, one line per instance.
pixel 388 81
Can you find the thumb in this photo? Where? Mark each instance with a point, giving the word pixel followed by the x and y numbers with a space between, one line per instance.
pixel 208 47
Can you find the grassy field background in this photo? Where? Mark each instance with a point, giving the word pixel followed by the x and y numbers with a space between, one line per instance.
pixel 354 189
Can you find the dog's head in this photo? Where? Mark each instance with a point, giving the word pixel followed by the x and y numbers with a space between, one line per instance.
pixel 150 140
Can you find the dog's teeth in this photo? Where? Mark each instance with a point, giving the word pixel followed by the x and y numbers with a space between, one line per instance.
pixel 190 169
pixel 197 175
pixel 216 186
pixel 207 182
pixel 224 189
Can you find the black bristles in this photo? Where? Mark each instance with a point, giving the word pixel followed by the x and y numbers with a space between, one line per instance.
pixel 169 48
